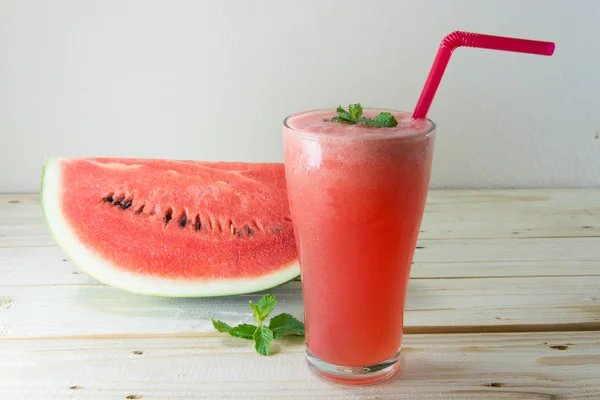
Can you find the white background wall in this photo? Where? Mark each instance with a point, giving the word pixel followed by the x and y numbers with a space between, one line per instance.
pixel 212 80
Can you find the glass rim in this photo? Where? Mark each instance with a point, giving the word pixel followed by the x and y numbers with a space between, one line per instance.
pixel 400 135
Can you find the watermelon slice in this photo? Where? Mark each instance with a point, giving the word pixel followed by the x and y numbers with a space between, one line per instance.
pixel 172 228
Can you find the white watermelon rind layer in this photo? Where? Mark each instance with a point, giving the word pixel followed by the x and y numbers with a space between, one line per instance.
pixel 110 274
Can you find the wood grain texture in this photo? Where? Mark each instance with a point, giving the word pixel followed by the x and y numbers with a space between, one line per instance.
pixel 504 303
pixel 434 259
pixel 22 223
pixel 433 305
pixel 453 214
pixel 463 366
pixel 512 213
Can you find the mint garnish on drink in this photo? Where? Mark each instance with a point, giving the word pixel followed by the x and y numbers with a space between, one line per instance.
pixel 261 334
pixel 354 116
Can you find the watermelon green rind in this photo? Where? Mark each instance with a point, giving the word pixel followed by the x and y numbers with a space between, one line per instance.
pixel 107 273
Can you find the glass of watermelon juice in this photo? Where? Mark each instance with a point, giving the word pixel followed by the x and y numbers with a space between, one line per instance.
pixel 356 195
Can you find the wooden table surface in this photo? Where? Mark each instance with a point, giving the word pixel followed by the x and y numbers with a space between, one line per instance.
pixel 504 303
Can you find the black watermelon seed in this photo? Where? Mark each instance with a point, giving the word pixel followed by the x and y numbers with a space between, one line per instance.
pixel 108 199
pixel 198 224
pixel 249 231
pixel 183 221
pixel 126 205
pixel 119 201
pixel 139 211
pixel 168 217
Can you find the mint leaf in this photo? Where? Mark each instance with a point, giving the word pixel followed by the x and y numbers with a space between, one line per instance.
pixel 385 120
pixel 221 326
pixel 354 116
pixel 244 331
pixel 262 338
pixel 345 115
pixel 265 305
pixel 285 323
pixel 367 121
pixel 355 111
pixel 338 119
pixel 382 120
pixel 256 312
pixel 262 335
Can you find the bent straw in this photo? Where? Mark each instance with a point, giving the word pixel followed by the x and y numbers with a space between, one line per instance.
pixel 467 39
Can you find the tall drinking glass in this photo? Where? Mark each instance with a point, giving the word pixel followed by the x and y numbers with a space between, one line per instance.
pixel 356 195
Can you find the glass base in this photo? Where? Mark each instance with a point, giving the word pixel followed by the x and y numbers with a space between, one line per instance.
pixel 357 376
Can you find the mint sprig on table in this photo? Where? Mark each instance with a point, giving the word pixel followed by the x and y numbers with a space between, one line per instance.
pixel 354 116
pixel 261 334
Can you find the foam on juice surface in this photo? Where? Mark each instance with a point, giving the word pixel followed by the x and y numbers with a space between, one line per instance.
pixel 315 122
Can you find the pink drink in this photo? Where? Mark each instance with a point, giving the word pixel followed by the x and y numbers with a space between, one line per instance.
pixel 357 196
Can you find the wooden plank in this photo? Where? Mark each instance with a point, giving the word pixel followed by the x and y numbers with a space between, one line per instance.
pixel 512 213
pixel 454 214
pixel 433 305
pixel 458 258
pixel 461 366
pixel 22 222
pixel 27 266
pixel 434 259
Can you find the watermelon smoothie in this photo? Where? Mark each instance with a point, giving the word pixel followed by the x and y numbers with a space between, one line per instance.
pixel 356 195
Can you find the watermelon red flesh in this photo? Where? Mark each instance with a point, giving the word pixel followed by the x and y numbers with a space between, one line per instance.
pixel 174 228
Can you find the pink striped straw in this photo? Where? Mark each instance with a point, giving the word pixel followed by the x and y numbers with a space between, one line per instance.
pixel 467 39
